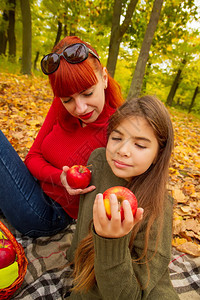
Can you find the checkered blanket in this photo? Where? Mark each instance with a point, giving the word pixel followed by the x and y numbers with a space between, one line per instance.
pixel 49 277
pixel 185 275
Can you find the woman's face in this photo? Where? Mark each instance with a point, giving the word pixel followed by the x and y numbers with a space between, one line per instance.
pixel 132 148
pixel 88 104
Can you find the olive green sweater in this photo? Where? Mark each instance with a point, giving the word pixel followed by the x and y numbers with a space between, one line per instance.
pixel 118 276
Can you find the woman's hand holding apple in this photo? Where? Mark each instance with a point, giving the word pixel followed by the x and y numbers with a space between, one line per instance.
pixel 114 228
pixel 70 190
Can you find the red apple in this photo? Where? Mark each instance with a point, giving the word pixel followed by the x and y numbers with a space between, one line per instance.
pixel 122 194
pixel 78 177
pixel 7 253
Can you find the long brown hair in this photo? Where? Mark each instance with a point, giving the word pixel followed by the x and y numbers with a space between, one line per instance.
pixel 75 78
pixel 149 187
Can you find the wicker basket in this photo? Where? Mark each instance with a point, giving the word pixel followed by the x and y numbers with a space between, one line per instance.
pixel 6 293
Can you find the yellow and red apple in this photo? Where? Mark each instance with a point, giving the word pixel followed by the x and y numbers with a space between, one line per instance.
pixel 122 193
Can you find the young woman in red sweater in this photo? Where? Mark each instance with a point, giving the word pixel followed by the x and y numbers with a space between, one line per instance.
pixel 32 196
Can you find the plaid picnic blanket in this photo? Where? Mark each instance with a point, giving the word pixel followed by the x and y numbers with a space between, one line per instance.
pixel 185 275
pixel 49 276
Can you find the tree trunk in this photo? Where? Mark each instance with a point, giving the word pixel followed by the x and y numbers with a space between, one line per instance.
pixel 136 84
pixel 174 88
pixel 59 32
pixel 36 59
pixel 27 37
pixel 193 99
pixel 145 80
pixel 65 30
pixel 11 30
pixel 3 33
pixel 73 27
pixel 175 85
pixel 117 32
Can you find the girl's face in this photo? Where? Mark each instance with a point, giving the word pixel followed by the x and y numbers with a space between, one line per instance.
pixel 88 104
pixel 132 148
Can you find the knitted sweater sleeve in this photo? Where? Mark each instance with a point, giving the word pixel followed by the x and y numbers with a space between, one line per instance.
pixel 118 276
pixel 113 269
pixel 35 162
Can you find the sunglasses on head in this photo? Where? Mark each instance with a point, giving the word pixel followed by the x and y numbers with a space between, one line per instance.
pixel 73 54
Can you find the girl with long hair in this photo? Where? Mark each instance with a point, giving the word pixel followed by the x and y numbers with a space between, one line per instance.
pixel 128 259
pixel 35 197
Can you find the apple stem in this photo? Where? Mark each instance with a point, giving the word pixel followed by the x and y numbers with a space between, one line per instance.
pixel 81 170
pixel 89 166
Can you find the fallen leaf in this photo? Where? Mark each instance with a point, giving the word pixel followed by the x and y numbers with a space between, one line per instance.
pixel 178 195
pixel 185 209
pixel 189 248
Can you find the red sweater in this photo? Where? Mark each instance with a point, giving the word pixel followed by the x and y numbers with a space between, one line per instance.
pixel 62 141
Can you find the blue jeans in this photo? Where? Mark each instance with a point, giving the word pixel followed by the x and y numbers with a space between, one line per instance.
pixel 22 200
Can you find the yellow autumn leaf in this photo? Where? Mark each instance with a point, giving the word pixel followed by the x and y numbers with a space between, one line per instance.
pixel 178 195
pixel 173 171
pixel 169 48
pixel 178 241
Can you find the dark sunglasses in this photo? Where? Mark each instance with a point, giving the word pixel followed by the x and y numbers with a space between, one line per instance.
pixel 73 54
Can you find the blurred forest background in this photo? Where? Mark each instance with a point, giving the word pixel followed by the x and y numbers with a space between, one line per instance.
pixel 149 46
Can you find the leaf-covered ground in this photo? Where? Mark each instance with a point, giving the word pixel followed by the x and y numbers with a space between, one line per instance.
pixel 184 183
pixel 24 102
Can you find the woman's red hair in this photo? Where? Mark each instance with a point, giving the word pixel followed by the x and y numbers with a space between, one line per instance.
pixel 75 78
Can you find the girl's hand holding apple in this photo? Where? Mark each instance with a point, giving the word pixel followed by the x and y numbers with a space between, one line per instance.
pixel 114 227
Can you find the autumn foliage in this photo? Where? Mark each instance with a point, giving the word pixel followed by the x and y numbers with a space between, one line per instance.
pixel 24 102
pixel 184 183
